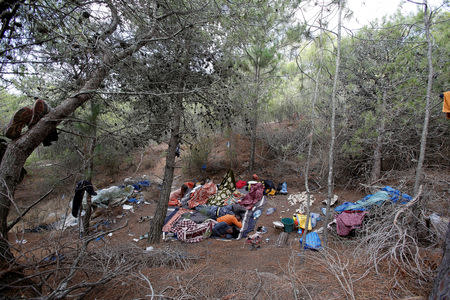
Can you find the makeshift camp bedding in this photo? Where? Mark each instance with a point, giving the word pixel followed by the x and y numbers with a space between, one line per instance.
pixel 250 218
pixel 348 220
pixel 201 195
pixel 197 217
pixel 225 190
pixel 366 203
pixel 112 196
pixel 190 232
pixel 255 195
pixel 386 193
pixel 173 219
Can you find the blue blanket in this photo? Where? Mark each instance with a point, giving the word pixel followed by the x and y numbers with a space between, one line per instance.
pixel 386 193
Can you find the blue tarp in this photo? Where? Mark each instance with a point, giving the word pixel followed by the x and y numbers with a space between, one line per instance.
pixel 312 241
pixel 397 195
pixel 386 193
pixel 140 184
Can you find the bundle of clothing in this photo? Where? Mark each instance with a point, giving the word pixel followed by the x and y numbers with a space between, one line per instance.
pixel 351 215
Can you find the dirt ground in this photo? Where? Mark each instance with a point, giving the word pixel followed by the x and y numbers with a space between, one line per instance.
pixel 222 269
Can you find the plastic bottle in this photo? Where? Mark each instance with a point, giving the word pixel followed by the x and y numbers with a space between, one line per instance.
pixel 270 211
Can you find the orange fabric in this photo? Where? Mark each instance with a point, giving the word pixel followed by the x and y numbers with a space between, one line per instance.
pixel 202 194
pixel 446 106
pixel 230 220
pixel 189 185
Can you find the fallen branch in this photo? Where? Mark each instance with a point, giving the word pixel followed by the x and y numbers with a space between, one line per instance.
pixel 13 223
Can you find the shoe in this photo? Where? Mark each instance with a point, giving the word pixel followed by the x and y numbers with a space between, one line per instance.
pixel 21 118
pixel 40 109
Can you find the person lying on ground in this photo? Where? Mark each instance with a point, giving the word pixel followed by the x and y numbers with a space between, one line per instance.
pixel 214 211
pixel 231 220
pixel 177 195
pixel 222 230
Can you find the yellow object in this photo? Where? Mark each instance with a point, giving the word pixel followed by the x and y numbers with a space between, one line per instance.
pixel 446 106
pixel 301 219
pixel 272 192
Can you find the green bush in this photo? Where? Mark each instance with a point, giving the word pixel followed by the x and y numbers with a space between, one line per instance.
pixel 197 156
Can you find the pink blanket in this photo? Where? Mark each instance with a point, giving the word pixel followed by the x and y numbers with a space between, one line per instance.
pixel 348 220
pixel 256 193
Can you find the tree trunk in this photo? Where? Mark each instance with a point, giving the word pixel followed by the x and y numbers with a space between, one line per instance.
pixel 441 288
pixel 19 150
pixel 311 135
pixel 333 118
pixel 254 122
pixel 423 141
pixel 90 169
pixel 376 169
pixel 157 222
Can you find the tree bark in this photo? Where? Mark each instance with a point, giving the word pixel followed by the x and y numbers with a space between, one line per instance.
pixel 333 118
pixel 311 139
pixel 157 223
pixel 254 123
pixel 90 168
pixel 423 141
pixel 19 150
pixel 441 288
pixel 376 169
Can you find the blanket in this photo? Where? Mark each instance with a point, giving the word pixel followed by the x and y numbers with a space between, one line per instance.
pixel 190 232
pixel 349 220
pixel 201 195
pixel 255 195
pixel 251 217
pixel 225 190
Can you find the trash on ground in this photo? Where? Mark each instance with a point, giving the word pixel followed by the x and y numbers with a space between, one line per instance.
pixel 300 199
pixel 312 241
pixel 333 200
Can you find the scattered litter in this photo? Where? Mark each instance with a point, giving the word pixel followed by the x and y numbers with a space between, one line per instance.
pixel 314 219
pixel 54 257
pixel 261 229
pixel 136 240
pixel 112 196
pixel 256 214
pixel 302 199
pixel 133 200
pixel 320 230
pixel 21 242
pixel 301 221
pixel 99 238
pixel 440 224
pixel 110 234
pixel 148 249
pixel 145 218
pixel 131 234
pixel 69 221
pixel 333 201
pixel 145 236
pixel 278 225
pixel 270 210
pixel 128 207
pixel 283 189
pixel 312 241
pixel 324 211
pixel 145 202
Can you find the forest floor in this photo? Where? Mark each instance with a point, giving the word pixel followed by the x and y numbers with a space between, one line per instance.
pixel 218 269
